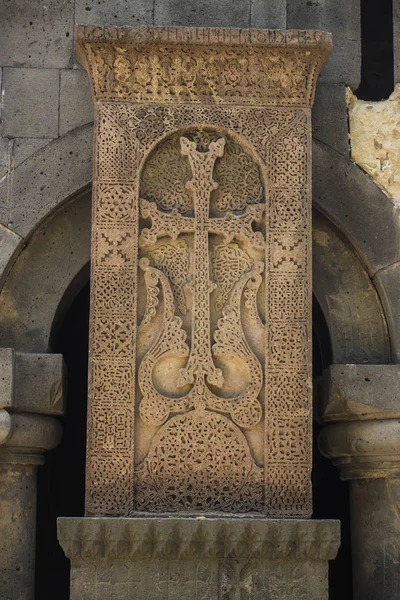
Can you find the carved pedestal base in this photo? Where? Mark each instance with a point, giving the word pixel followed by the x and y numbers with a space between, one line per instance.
pixel 198 558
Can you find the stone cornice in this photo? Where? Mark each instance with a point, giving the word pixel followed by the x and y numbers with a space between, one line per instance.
pixel 194 538
pixel 203 65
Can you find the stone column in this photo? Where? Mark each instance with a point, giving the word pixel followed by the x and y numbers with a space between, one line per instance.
pixel 30 383
pixel 365 445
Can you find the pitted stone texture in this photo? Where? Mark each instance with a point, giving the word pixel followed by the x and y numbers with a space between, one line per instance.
pixel 347 298
pixel 342 19
pixel 200 192
pixel 34 34
pixel 361 392
pixel 268 15
pixel 193 558
pixel 51 271
pixel 208 13
pixel 120 12
pixel 396 40
pixel 375 140
pixel 39 383
pixel 370 219
pixel 387 282
pixel 7 373
pixel 329 117
pixel 4 156
pixel 76 106
pixel 57 171
pixel 30 103
pixel 375 530
pixel 17 530
pixel 10 243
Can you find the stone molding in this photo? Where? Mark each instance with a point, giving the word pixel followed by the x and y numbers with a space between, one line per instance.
pixel 32 383
pixel 364 399
pixel 221 67
pixel 26 437
pixel 194 538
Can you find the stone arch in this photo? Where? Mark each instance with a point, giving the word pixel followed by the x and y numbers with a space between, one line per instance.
pixel 51 207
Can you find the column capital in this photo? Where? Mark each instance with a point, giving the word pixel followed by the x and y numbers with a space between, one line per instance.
pixel 362 405
pixel 24 438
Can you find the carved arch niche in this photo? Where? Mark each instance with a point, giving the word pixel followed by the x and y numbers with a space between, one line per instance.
pixel 201 313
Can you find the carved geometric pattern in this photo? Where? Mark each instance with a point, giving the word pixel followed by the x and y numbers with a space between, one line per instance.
pixel 289 297
pixel 190 125
pixel 289 392
pixel 289 209
pixel 110 383
pixel 115 203
pixel 114 290
pixel 111 429
pixel 288 488
pixel 114 248
pixel 288 253
pixel 288 343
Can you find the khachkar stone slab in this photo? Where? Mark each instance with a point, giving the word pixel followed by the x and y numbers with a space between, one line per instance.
pixel 198 558
pixel 200 330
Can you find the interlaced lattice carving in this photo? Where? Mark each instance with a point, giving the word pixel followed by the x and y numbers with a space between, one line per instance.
pixel 201 230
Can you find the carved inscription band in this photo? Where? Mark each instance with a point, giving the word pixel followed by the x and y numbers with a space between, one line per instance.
pixel 200 326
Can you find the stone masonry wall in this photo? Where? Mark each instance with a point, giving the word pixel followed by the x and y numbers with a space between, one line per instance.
pixel 45 93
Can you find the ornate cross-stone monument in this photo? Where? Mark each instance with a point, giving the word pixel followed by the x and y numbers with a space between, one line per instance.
pixel 199 418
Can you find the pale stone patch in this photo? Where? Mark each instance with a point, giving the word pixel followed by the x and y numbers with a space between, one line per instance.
pixel 375 139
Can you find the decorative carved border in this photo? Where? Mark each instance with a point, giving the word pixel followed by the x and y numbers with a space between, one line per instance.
pixel 125 134
pixel 174 538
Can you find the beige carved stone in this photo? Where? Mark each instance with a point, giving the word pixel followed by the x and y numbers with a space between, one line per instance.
pixel 375 139
pixel 200 359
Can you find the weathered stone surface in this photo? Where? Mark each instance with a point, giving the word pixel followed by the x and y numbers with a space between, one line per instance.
pixel 268 15
pixel 4 156
pixel 357 206
pixel 50 272
pixel 342 19
pixel 10 242
pixel 206 393
pixel 17 530
pixel 39 383
pixel 57 171
pixel 33 34
pixel 360 392
pixel 375 529
pixel 208 13
pixel 329 117
pixel 347 298
pixel 7 373
pixel 119 12
pixel 198 558
pixel 30 103
pixel 76 105
pixel 396 40
pixel 20 452
pixel 375 140
pixel 23 148
pixel 387 282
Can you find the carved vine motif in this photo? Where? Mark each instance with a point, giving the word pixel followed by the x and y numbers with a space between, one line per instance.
pixel 159 69
pixel 180 480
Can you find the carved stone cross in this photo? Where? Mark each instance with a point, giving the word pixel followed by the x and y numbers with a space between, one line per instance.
pixel 200 364
pixel 198 442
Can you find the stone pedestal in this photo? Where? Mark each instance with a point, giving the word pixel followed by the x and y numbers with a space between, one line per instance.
pixel 365 445
pixel 198 558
